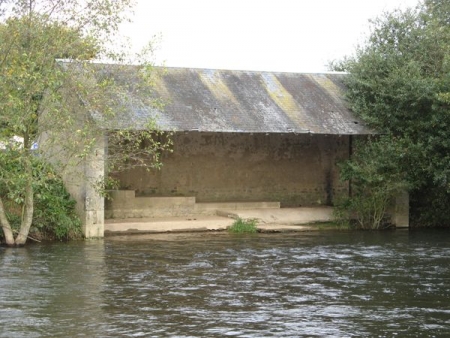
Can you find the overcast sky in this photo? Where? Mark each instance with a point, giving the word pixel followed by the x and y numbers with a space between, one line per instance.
pixel 271 35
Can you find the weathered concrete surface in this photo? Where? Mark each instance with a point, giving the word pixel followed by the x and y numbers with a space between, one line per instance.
pixel 295 170
pixel 285 216
pixel 167 224
pixel 293 219
pixel 400 212
pixel 212 207
pixel 59 147
pixel 124 204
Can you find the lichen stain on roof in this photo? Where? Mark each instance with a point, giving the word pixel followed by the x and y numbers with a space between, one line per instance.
pixel 250 102
pixel 284 100
pixel 218 88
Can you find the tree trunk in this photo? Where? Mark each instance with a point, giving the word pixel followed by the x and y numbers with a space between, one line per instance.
pixel 7 231
pixel 29 206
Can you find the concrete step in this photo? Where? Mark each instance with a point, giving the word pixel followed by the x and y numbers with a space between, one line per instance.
pixel 211 207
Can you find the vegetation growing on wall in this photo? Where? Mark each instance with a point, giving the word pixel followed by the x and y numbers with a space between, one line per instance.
pixel 399 83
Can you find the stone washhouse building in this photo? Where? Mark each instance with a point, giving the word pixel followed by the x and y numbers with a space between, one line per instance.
pixel 241 139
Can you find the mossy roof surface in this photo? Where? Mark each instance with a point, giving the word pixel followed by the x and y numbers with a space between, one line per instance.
pixel 208 100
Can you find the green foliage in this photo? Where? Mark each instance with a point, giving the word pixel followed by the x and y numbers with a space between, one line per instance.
pixel 375 181
pixel 29 47
pixel 399 83
pixel 430 208
pixel 241 226
pixel 342 216
pixel 54 209
pixel 54 213
pixel 64 107
pixel 337 224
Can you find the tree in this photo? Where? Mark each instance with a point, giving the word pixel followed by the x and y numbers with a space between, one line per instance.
pixel 34 35
pixel 399 83
pixel 375 182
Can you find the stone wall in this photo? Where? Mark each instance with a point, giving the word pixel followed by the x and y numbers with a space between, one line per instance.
pixel 94 213
pixel 124 204
pixel 59 145
pixel 399 210
pixel 296 170
pixel 79 179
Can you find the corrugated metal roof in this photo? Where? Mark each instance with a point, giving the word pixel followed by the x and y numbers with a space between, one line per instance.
pixel 242 101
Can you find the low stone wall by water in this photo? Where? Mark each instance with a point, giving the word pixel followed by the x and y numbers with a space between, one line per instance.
pixel 125 204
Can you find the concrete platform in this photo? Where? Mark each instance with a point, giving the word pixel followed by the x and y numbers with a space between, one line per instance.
pixel 285 216
pixel 279 220
pixel 167 224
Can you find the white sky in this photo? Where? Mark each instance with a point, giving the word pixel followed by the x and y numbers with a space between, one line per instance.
pixel 271 35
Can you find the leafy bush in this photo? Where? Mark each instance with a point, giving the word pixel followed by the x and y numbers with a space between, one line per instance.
pixel 54 209
pixel 243 226
pixel 54 213
pixel 429 207
pixel 399 84
pixel 375 182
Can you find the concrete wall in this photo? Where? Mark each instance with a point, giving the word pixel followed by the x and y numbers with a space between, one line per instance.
pixel 94 205
pixel 125 204
pixel 59 144
pixel 399 210
pixel 296 170
pixel 79 178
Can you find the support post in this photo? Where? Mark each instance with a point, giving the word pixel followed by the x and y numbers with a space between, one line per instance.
pixel 94 205
pixel 400 214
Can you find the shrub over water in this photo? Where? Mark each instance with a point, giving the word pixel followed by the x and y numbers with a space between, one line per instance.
pixel 54 209
pixel 398 82
pixel 375 182
pixel 54 215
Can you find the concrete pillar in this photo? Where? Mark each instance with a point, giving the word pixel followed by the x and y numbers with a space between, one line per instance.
pixel 94 205
pixel 400 214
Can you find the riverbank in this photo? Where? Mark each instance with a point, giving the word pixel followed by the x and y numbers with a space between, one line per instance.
pixel 268 220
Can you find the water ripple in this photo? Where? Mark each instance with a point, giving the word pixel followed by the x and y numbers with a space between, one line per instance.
pixel 314 285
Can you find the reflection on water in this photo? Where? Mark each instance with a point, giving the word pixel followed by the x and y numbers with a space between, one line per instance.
pixel 339 284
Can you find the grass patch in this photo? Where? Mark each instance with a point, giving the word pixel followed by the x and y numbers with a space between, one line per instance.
pixel 243 226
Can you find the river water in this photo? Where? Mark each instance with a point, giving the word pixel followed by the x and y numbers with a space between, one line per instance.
pixel 318 284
